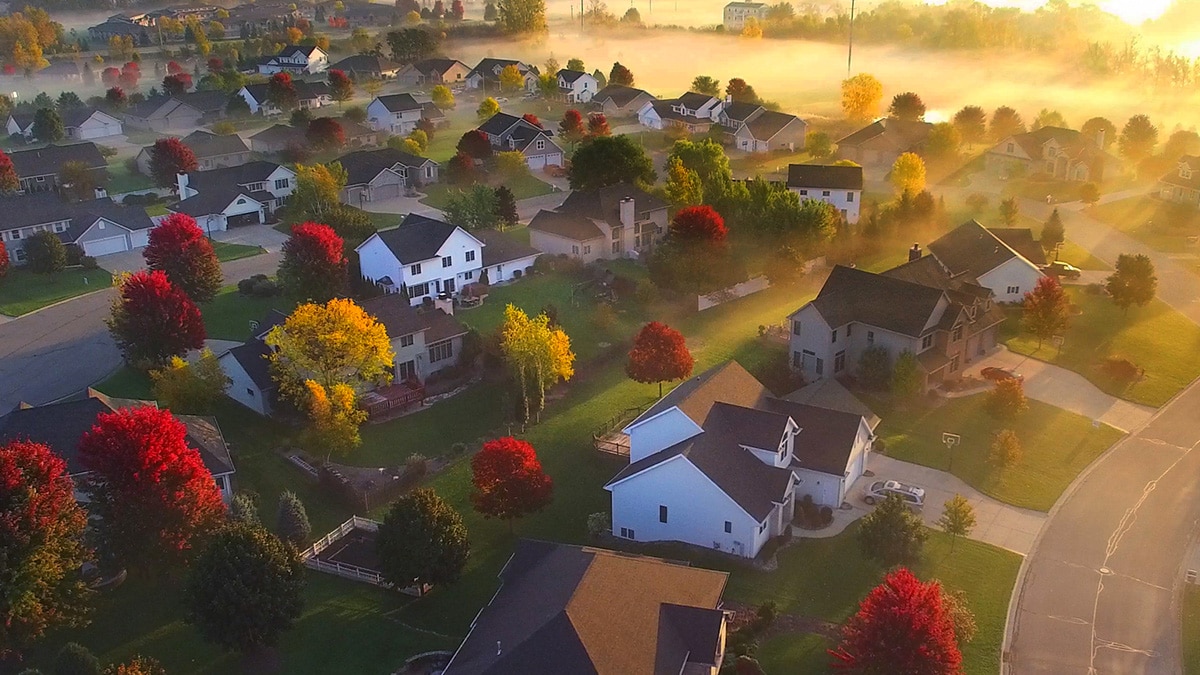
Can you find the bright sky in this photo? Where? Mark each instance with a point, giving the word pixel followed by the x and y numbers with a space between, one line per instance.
pixel 1132 11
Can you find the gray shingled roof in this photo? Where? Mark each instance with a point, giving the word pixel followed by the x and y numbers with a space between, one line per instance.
pixel 694 100
pixel 252 357
pixel 826 436
pixel 569 225
pixel 362 166
pixel 499 123
pixel 49 207
pixel 1020 239
pixel 619 94
pixel 570 75
pixel 48 160
pixel 399 318
pixel 888 303
pixel 399 102
pixel 971 249
pixel 605 203
pixel 205 144
pixel 769 123
pixel 499 248
pixel 825 176
pixel 417 239
pixel 365 63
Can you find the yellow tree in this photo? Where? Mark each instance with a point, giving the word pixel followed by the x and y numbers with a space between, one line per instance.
pixel 334 418
pixel 908 173
pixel 861 96
pixel 751 29
pixel 190 388
pixel 334 343
pixel 683 188
pixel 538 355
pixel 318 188
pixel 487 107
pixel 511 78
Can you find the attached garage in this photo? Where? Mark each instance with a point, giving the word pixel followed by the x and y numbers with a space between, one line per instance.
pixel 537 162
pixel 554 159
pixel 385 191
pixel 825 489
pixel 99 247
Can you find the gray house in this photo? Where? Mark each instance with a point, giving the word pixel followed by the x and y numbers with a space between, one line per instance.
pixel 248 368
pixel 372 175
pixel 212 151
pixel 163 113
pixel 98 227
pixel 617 100
pixel 509 133
pixel 38 169
pixel 426 339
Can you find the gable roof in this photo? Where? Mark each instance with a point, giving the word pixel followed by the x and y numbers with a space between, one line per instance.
pixel 768 123
pixel 1020 239
pixel 252 357
pixel 740 111
pixel 694 100
pixel 305 90
pixel 605 203
pixel 205 100
pixel 499 248
pixel 1033 142
pixel 48 160
pixel 885 302
pixel 1174 176
pixel 279 133
pixel 398 102
pixel 727 383
pixel 826 436
pixel 571 75
pixel 399 318
pixel 568 225
pixel 77 116
pixel 971 249
pixel 619 94
pixel 291 50
pixel 486 68
pixel 417 239
pixel 499 123
pixel 825 176
pixel 437 66
pixel 573 609
pixel 49 207
pixel 242 174
pixel 205 144
pixel 366 63
pixel 362 166
pixel 905 134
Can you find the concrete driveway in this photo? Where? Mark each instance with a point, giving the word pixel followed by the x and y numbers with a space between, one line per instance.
pixel 1066 389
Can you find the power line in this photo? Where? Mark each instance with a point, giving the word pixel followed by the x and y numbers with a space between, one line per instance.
pixel 850 49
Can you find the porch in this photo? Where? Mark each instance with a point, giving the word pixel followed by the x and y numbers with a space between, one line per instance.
pixel 393 398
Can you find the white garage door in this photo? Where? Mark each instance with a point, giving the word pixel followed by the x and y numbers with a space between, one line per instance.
pixel 385 191
pixel 101 247
pixel 555 159
pixel 537 161
pixel 823 487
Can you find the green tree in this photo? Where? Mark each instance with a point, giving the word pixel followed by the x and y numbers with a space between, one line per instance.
pixel 1089 193
pixel 243 509
pixel 1053 232
pixel 1005 451
pixel 601 161
pixel 422 540
pixel 1133 282
pixel 971 123
pixel 1137 140
pixel 943 141
pixel 291 520
pixel 683 186
pixel 818 144
pixel 190 388
pixel 522 16
pixel 410 45
pixel 1005 122
pixel 906 381
pixel 1048 118
pixel 575 64
pixel 1100 131
pixel 875 367
pixel 958 518
pixel 506 206
pixel 704 84
pixel 48 126
pixel 476 208
pixel 1009 210
pixel 511 78
pixel 707 158
pixel 1007 399
pixel 75 659
pixel 318 190
pixel 891 534
pixel 45 253
pixel 907 106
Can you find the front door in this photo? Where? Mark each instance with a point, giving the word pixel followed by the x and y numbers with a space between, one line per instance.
pixel 448 287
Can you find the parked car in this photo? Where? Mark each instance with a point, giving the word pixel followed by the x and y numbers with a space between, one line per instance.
pixel 913 496
pixel 1059 268
pixel 997 374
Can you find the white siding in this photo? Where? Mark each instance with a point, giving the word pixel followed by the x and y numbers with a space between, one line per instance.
pixel 241 388
pixel 825 489
pixel 377 261
pixel 846 201
pixel 1014 273
pixel 661 431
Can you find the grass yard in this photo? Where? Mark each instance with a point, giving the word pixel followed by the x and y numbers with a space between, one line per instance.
pixel 1191 629
pixel 226 251
pixel 1057 445
pixel 121 179
pixel 523 187
pixel 770 165
pixel 795 654
pixel 1160 225
pixel 157 210
pixel 1155 337
pixel 1076 255
pixel 22 291
pixel 229 315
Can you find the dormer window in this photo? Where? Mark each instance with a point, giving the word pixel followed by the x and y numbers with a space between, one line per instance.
pixel 927 341
pixel 1185 172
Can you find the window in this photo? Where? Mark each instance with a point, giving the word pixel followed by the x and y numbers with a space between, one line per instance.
pixel 870 337
pixel 927 341
pixel 406 340
pixel 575 250
pixel 470 256
pixel 616 247
pixel 825 193
pixel 804 193
pixel 418 290
pixel 954 364
pixel 850 197
pixel 848 327
pixel 541 144
pixel 839 362
pixel 60 227
pixel 795 328
pixel 662 514
pixel 281 183
pixel 627 533
pixel 957 334
pixel 728 527
pixel 468 275
pixel 797 360
pixel 440 351
pixel 447 261
pixel 254 186
pixel 762 527
pixel 833 339
pixel 1011 148
pixel 1013 290
pixel 429 172
pixel 20 255
pixel 14 235
pixel 587 249
pixel 249 391
pixel 414 269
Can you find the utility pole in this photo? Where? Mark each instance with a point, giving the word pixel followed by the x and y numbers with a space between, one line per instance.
pixel 580 16
pixel 850 50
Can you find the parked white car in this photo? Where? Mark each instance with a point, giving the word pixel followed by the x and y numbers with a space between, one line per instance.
pixel 880 490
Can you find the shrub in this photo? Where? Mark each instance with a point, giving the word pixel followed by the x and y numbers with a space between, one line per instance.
pixel 604 317
pixel 415 466
pixel 75 659
pixel 291 520
pixel 598 524
pixel 646 292
pixel 874 368
pixel 1006 449
pixel 1007 399
pixel 246 286
pixel 89 263
pixel 265 288
pixel 243 508
pixel 458 449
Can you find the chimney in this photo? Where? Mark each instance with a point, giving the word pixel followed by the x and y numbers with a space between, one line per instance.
pixel 728 99
pixel 181 182
pixel 914 253
pixel 627 212
pixel 101 193
pixel 445 304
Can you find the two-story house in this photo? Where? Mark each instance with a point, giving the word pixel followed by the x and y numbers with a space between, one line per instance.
pixel 983 257
pixel 396 114
pixel 878 144
pixel 693 111
pixel 427 258
pixel 509 133
pixel 295 59
pixel 1181 185
pixel 736 13
pixel 576 86
pixel 79 124
pixel 309 95
pixel 840 186
pixel 212 151
pixel 580 609
pixel 612 222
pixel 162 113
pixel 233 196
pixel 618 100
pixel 486 74
pixel 98 227
pixel 431 72
pixel 1065 154
pixel 372 175
pixel 719 463
pixel 916 307
pixel 753 128
pixel 37 169
pixel 425 338
pixel 363 67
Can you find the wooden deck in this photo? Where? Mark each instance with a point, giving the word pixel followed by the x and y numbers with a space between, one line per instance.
pixel 392 398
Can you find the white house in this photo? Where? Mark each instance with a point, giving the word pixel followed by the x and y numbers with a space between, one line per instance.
pixel 719 463
pixel 308 95
pixel 613 222
pixel 79 124
pixel 508 133
pixel 98 227
pixel 1181 185
pixel 753 128
pixel 429 258
pixel 236 195
pixel 693 111
pixel 975 252
pixel 486 74
pixel 248 370
pixel 576 86
pixel 841 186
pixel 295 59
pixel 736 14
pixel 396 114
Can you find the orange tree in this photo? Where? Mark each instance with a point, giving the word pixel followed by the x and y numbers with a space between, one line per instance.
pixel 659 354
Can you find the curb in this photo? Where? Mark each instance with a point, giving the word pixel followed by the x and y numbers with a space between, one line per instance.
pixel 60 302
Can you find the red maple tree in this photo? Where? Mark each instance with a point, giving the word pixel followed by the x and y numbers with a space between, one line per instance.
pixel 313 266
pixel 460 170
pixel 173 68
pixel 130 74
pixel 110 75
pixel 598 125
pixel 168 158
pixel 115 96
pixel 9 182
pixel 475 144
pixel 340 85
pixel 179 248
pixel 281 91
pixel 457 11
pixel 325 133
pixel 151 492
pixel 509 481
pixel 659 354
pixel 699 224
pixel 532 119
pixel 3 260
pixel 41 545
pixel 215 64
pixel 901 626
pixel 177 84
pixel 153 319
pixel 571 126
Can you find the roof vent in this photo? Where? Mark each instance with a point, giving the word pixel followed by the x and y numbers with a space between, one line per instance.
pixel 497 648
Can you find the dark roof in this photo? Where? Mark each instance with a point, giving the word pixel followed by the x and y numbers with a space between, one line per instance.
pixel 499 248
pixel 280 133
pixel 205 144
pixel 49 207
pixel 431 112
pixel 272 319
pixel 605 203
pixel 740 111
pixel 215 198
pixel 905 134
pixel 1174 177
pixel 290 50
pixel 694 100
pixel 151 105
pixel 304 90
pixel 569 225
pixel 23 120
pixel 77 116
pixel 825 176
pixel 418 238
pixel 487 67
pixel 971 249
pixel 365 63
pixel 1020 239
pixel 61 68
pixel 252 357
pixel 438 66
pixel 727 383
pixel 206 101
pixel 204 434
pixel 571 609
pixel 620 94
pixel 499 123
pixel 826 436
pixel 362 166
pixel 48 160
pixel 768 123
pixel 892 304
pixel 399 102
pixel 571 75
pixel 1033 142
pixel 399 318
pixel 242 174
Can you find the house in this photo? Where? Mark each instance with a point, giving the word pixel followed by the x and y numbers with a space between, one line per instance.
pixel 120 28
pixel 1064 154
pixel 841 186
pixel 972 251
pixel 295 59
pixel 64 71
pixel 429 258
pixel 163 114
pixel 508 133
pixel 917 307
pixel 432 72
pixel 736 14
pixel 612 222
pixel 434 114
pixel 579 609
pixel 878 144
pixel 617 100
pixel 212 104
pixel 486 74
pixel 504 258
pixel 396 114
pixel 753 128
pixel 692 111
pixel 212 151
pixel 233 196
pixel 425 339
pixel 62 424
pixel 362 67
pixel 719 463
pixel 1182 184
pixel 308 95
pixel 38 168
pixel 248 367
pixel 576 86
pixel 358 135
pixel 98 227
pixel 80 124
pixel 277 138
pixel 373 175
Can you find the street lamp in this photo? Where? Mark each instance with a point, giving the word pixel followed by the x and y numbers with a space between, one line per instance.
pixel 950 440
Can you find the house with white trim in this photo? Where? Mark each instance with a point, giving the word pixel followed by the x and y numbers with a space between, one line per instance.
pixel 509 133
pixel 396 114
pixel 753 128
pixel 373 175
pixel 576 86
pixel 309 95
pixel 38 168
pixel 486 74
pixel 736 13
pixel 693 111
pixel 237 195
pixel 619 100
pixel 295 59
pixel 1181 185
pixel 80 124
pixel 98 227
pixel 719 462
pixel 972 251
pixel 840 186
pixel 617 221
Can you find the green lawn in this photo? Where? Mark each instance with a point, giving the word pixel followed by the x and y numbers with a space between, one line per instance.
pixel 121 179
pixel 1191 630
pixel 22 291
pixel 1080 257
pixel 1160 225
pixel 157 210
pixel 795 654
pixel 1057 445
pixel 1155 337
pixel 229 315
pixel 438 195
pixel 226 251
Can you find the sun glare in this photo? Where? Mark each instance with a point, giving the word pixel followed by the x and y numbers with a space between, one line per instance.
pixel 1135 11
